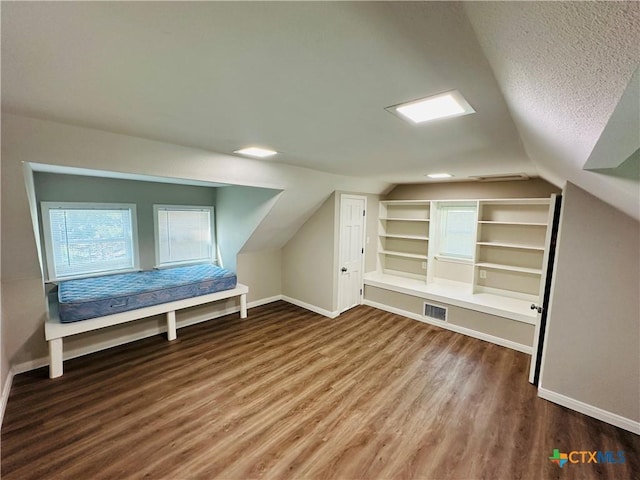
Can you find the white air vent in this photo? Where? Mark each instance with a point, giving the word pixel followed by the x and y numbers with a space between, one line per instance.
pixel 435 311
pixel 508 177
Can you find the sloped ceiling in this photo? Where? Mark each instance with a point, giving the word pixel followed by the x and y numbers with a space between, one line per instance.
pixel 312 79
pixel 309 79
pixel 563 67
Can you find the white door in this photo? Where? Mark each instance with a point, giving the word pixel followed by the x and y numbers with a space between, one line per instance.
pixel 351 258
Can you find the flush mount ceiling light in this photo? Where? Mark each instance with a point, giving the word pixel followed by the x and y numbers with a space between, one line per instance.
pixel 256 152
pixel 444 105
pixel 439 175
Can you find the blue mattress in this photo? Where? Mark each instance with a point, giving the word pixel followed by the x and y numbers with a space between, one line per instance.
pixel 98 296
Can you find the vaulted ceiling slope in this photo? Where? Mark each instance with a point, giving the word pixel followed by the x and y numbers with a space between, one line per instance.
pixel 309 79
pixel 312 79
pixel 563 68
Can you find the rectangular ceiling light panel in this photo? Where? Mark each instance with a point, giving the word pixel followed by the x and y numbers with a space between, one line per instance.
pixel 444 105
pixel 256 152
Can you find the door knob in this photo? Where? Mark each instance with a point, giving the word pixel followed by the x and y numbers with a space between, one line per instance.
pixel 343 269
pixel 535 307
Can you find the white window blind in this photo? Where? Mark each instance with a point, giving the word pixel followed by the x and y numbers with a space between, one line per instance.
pixel 183 234
pixel 457 231
pixel 88 239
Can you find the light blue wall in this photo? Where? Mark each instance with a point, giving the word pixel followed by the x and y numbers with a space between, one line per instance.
pixel 239 210
pixel 52 187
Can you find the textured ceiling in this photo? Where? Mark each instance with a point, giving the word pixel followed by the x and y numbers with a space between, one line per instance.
pixel 311 79
pixel 563 67
pixel 621 136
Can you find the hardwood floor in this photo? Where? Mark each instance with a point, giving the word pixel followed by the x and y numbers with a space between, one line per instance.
pixel 290 394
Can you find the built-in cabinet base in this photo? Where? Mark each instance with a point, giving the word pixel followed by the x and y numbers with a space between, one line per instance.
pixel 502 320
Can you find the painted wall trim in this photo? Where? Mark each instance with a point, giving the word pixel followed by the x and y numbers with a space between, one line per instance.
pixel 454 328
pixel 96 347
pixel 6 389
pixel 312 308
pixel 591 411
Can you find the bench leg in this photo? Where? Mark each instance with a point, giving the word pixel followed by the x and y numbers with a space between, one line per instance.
pixel 171 326
pixel 243 305
pixel 55 358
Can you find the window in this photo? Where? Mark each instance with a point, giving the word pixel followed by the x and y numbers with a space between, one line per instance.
pixel 183 234
pixel 456 235
pixel 86 239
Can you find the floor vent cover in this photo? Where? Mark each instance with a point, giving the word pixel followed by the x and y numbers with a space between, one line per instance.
pixel 435 311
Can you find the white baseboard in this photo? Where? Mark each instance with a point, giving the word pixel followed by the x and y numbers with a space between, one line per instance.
pixel 312 308
pixel 96 347
pixel 194 319
pixel 34 364
pixel 591 411
pixel 454 328
pixel 6 389
pixel 264 301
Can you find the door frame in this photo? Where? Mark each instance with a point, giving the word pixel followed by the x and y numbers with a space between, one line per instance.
pixel 539 335
pixel 339 244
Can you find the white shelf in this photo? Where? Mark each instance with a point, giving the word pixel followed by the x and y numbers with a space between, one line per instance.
pixel 405 237
pixel 530 224
pixel 402 254
pixel 510 232
pixel 406 202
pixel 512 268
pixel 455 293
pixel 516 201
pixel 511 245
pixel 398 219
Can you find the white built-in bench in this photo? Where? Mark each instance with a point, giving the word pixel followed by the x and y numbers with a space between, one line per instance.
pixel 55 331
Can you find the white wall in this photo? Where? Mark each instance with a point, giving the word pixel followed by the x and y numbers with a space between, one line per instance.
pixel 50 143
pixel 592 347
pixel 371 234
pixel 263 271
pixel 308 259
pixel 4 360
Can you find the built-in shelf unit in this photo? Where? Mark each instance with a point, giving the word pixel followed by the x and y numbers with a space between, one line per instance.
pixel 498 280
pixel 508 262
pixel 403 240
pixel 510 247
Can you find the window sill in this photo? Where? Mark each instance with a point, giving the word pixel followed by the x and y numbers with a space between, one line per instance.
pixel 184 264
pixel 98 274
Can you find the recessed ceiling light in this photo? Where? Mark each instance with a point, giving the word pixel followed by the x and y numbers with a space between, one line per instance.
pixel 444 105
pixel 439 175
pixel 256 152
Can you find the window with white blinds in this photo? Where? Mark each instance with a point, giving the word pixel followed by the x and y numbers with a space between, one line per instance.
pixel 183 235
pixel 85 239
pixel 457 231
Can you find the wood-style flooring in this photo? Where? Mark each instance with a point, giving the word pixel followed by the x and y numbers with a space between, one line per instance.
pixel 288 394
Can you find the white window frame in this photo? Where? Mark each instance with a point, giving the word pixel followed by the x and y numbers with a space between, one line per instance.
pixel 156 234
pixel 440 207
pixel 45 207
